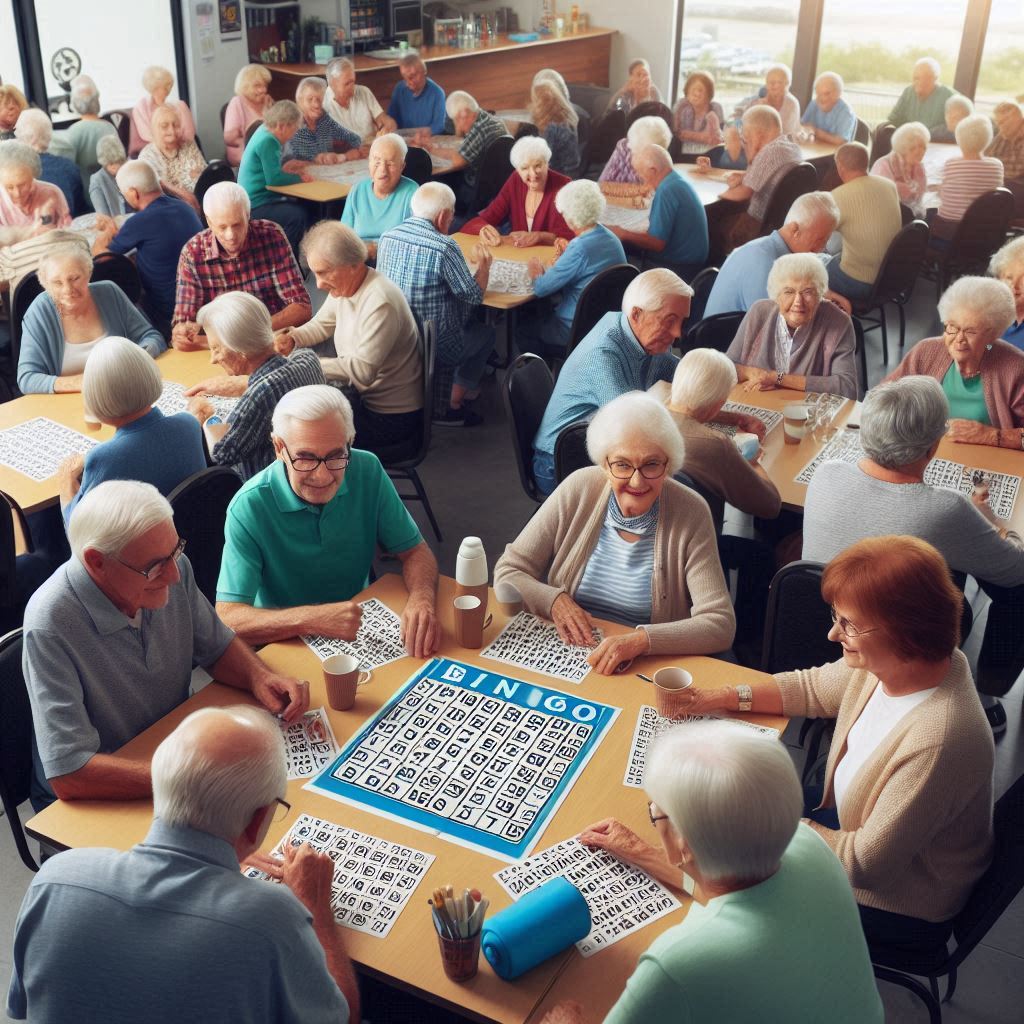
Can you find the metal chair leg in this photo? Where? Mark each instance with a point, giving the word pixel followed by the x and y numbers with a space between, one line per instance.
pixel 903 323
pixel 883 321
pixel 950 985
pixel 421 494
pixel 907 982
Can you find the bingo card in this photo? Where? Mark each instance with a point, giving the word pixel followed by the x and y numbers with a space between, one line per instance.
pixel 768 417
pixel 534 644
pixel 37 447
pixel 378 642
pixel 309 744
pixel 173 400
pixel 510 277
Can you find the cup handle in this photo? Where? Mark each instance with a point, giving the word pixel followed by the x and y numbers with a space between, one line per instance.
pixel 364 677
pixel 488 620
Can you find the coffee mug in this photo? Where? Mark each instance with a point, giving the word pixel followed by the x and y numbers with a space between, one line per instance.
pixel 794 422
pixel 469 621
pixel 510 601
pixel 668 684
pixel 342 677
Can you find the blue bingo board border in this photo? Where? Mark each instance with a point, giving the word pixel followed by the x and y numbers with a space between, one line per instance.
pixel 526 695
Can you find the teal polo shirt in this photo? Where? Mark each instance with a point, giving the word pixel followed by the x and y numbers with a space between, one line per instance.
pixel 280 552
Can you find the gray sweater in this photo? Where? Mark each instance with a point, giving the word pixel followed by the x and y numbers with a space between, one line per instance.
pixel 845 505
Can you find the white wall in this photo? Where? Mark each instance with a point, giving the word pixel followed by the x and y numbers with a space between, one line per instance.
pixel 644 29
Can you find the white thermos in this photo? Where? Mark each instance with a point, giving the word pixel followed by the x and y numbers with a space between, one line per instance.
pixel 471 570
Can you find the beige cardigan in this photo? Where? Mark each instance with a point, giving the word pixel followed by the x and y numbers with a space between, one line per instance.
pixel 915 834
pixel 690 605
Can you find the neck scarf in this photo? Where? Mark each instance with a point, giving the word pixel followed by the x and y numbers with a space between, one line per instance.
pixel 639 525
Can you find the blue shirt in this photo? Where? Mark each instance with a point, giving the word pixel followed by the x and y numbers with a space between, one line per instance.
pixel 1014 334
pixel 169 931
pixel 678 218
pixel 64 173
pixel 608 362
pixel 423 111
pixel 743 279
pixel 308 143
pixel 157 234
pixel 368 216
pixel 616 582
pixel 584 258
pixel 840 120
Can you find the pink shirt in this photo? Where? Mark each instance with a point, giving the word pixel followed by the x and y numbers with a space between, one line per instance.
pixel 239 115
pixel 142 114
pixel 43 192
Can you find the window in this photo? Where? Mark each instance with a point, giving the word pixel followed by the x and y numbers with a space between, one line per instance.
pixel 1001 76
pixel 10 58
pixel 867 43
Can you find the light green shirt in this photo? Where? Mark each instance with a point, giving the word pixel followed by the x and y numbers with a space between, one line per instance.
pixel 930 111
pixel 261 167
pixel 369 217
pixel 789 949
pixel 280 552
pixel 966 397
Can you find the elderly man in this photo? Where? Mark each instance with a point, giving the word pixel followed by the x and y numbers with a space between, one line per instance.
pixel 924 99
pixel 110 642
pixel 430 269
pixel 83 136
pixel 236 254
pixel 319 139
pixel 743 279
pixel 677 235
pixel 382 201
pixel 1008 146
pixel 35 129
pixel 828 115
pixel 171 930
pixel 478 130
pixel 353 106
pixel 300 537
pixel 869 219
pixel 417 101
pixel 157 233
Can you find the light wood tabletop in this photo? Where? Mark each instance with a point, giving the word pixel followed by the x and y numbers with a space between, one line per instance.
pixel 708 186
pixel 314 191
pixel 505 251
pixel 407 957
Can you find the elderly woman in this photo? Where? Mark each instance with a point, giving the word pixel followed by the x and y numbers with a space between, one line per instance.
pixel 965 177
pixel 375 337
pixel 25 201
pixel 526 201
pixel 557 123
pixel 157 83
pixel 12 103
pixel 907 800
pixel 697 120
pixel 779 98
pixel 638 88
pixel 619 178
pixel 319 139
pixel 982 376
pixel 771 902
pixel 1008 266
pixel 35 129
pixel 241 341
pixel 904 165
pixel 84 135
pixel 250 103
pixel 177 161
pixel 621 540
pixel 104 194
pixel 64 324
pixel 120 387
pixel 793 339
pixel 828 117
pixel 381 201
pixel 957 108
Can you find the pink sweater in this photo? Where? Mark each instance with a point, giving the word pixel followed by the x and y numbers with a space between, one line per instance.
pixel 239 115
pixel 43 194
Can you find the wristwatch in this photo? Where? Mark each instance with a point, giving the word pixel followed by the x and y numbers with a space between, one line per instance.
pixel 213 421
pixel 746 696
pixel 778 379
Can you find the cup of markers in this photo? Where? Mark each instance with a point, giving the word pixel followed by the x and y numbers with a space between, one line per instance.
pixel 458 920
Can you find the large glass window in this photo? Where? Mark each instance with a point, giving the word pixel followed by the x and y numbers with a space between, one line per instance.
pixel 1001 75
pixel 10 59
pixel 873 44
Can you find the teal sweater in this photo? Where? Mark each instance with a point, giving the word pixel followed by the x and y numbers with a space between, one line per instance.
pixel 261 167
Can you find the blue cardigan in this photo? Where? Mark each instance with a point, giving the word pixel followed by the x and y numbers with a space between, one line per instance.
pixel 42 336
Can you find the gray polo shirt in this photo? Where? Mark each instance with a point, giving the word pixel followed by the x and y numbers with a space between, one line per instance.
pixel 96 681
pixel 168 932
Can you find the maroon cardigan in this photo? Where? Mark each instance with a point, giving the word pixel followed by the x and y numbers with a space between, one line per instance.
pixel 510 205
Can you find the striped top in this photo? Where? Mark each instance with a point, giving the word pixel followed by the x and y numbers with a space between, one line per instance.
pixel 964 180
pixel 616 583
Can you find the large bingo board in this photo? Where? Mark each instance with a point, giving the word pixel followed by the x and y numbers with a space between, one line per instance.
pixel 473 756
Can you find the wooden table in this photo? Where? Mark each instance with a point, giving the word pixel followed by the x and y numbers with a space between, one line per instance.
pixel 407 957
pixel 707 186
pixel 314 191
pixel 503 300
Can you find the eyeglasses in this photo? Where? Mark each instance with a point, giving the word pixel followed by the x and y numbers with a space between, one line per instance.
pixel 282 809
pixel 151 572
pixel 307 463
pixel 655 818
pixel 622 470
pixel 847 628
pixel 807 294
pixel 952 330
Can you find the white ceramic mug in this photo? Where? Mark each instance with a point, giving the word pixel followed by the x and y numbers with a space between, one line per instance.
pixel 794 422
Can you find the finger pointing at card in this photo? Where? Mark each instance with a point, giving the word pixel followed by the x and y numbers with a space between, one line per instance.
pixel 574 625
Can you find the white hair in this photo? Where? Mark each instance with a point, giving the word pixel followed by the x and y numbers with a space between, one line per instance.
pixel 763 119
pixel 110 150
pixel 411 58
pixel 69 252
pixel 459 101
pixel 731 793
pixel 34 128
pixel 830 76
pixel 907 134
pixel 581 203
pixel 337 66
pixel 249 75
pixel 282 112
pixel 139 175
pixel 240 322
pixel 392 139
pixel 958 102
pixel 311 83
pixel 165 112
pixel 1009 257
pixel 85 96
pixel 928 62
pixel 527 150
pixel 812 207
pixel 310 403
pixel 154 76
pixel 120 379
pixel 974 133
pixel 554 78
pixel 983 299
pixel 902 420
pixel 774 69
pixel 703 380
pixel 18 154
pixel 631 417
pixel 797 268
pixel 337 243
pixel 648 130
pixel 649 290
pixel 113 514
pixel 217 787
pixel 653 156
pixel 431 199
pixel 226 195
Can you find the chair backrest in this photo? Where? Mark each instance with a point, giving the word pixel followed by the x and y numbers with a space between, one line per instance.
pixel 714 154
pixel 701 285
pixel 652 108
pixel 428 341
pixel 797 621
pixel 526 128
pixel 15 740
pixel 715 332
pixel 795 182
pixel 417 165
pixel 881 141
pixel 112 266
pixel 982 229
pixel 223 113
pixel 602 295
pixel 250 132
pixel 11 515
pixel 122 121
pixel 863 133
pixel 492 173
pixel 200 506
pixel 528 388
pixel 603 137
pixel 902 263
pixel 571 449
pixel 589 97
pixel 906 214
pixel 25 293
pixel 583 125
pixel 215 171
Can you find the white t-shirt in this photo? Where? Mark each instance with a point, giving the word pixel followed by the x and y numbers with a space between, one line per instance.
pixel 358 115
pixel 880 716
pixel 76 355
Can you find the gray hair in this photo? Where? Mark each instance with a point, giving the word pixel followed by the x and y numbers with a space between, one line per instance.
pixel 226 195
pixel 853 156
pixel 249 75
pixel 639 62
pixel 763 119
pixel 139 175
pixel 14 154
pixel 554 78
pixel 311 83
pixel 120 379
pixel 217 787
pixel 282 112
pixel 85 96
pixel 629 417
pixel 830 76
pixel 649 290
pixel 973 133
pixel 411 58
pixel 337 66
pixel 703 380
pixel 653 156
pixel 110 150
pixel 431 199
pixel 1007 258
pixel 989 301
pixel 648 130
pixel 459 101
pixel 69 252
pixel 528 149
pixel 731 793
pixel 907 134
pixel 165 112
pixel 35 129
pixel 337 243
pixel 240 323
pixel 928 62
pixel 310 403
pixel 113 514
pixel 784 68
pixel 903 420
pixel 581 203
pixel 392 139
pixel 797 267
pixel 154 76
pixel 958 102
pixel 812 207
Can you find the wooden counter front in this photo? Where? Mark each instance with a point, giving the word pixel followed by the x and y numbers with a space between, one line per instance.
pixel 496 76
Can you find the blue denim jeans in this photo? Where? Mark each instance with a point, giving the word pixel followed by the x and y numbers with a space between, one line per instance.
pixel 544 471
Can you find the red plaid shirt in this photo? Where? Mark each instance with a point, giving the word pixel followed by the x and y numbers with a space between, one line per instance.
pixel 265 268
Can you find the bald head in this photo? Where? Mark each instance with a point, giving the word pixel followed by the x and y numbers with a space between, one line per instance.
pixel 652 163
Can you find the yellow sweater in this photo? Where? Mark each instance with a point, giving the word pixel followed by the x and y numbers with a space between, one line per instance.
pixel 869 219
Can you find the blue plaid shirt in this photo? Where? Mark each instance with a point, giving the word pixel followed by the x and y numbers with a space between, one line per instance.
pixel 308 144
pixel 431 271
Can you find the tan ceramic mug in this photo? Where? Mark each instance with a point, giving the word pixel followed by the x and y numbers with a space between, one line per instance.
pixel 342 677
pixel 668 685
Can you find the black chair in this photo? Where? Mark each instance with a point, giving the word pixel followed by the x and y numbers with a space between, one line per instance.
pixel 112 266
pixel 215 171
pixel 200 506
pixel 492 173
pixel 12 607
pixel 418 166
pixel 250 132
pixel 223 113
pixel 906 214
pixel 701 285
pixel 602 295
pixel 797 181
pixel 994 892
pixel 881 141
pixel 603 137
pixel 528 388
pixel 863 133
pixel 15 741
pixel 402 460
pixel 28 289
pixel 583 126
pixel 571 450
pixel 860 352
pixel 526 128
pixel 122 122
pixel 651 108
pixel 715 332
pixel 894 282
